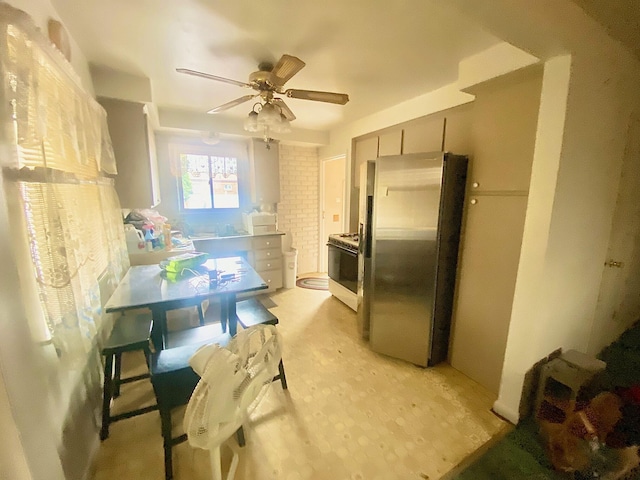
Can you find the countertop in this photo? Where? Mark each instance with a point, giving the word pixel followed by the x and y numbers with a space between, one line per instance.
pixel 142 257
pixel 214 236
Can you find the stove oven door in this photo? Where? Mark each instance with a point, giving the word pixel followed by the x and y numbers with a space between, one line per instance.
pixel 343 267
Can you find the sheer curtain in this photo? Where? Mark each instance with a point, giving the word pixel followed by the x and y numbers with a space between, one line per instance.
pixel 56 155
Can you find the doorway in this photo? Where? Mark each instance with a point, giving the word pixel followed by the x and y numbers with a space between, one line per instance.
pixel 332 204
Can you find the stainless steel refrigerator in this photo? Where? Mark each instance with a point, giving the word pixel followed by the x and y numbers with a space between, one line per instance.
pixel 410 218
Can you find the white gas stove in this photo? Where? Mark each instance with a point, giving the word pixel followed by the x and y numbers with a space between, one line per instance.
pixel 343 268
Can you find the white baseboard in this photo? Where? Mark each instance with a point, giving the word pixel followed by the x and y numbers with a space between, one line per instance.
pixel 506 412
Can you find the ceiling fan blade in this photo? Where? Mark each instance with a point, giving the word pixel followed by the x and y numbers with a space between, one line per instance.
pixel 232 103
pixel 329 97
pixel 287 67
pixel 286 111
pixel 195 73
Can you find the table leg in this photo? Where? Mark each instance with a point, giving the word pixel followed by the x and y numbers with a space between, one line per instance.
pixel 159 330
pixel 230 309
pixel 224 313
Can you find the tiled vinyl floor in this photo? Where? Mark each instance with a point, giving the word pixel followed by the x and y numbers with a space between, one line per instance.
pixel 349 413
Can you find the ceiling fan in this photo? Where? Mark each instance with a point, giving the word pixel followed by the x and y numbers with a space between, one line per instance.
pixel 268 81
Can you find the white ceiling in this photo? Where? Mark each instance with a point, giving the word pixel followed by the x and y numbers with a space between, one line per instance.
pixel 380 52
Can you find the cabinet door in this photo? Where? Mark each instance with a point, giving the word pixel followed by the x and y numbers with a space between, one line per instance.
pixel 505 118
pixel 425 135
pixel 365 149
pixel 486 282
pixel 136 182
pixel 390 143
pixel 265 172
pixel 457 132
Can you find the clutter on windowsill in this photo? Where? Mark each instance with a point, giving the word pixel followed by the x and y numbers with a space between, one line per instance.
pixel 148 231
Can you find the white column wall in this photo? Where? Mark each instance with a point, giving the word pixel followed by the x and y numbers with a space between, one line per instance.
pixel 544 172
pixel 564 247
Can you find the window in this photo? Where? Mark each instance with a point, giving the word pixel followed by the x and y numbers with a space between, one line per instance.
pixel 208 182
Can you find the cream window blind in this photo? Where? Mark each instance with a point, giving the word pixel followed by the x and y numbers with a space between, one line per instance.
pixel 54 152
pixel 54 122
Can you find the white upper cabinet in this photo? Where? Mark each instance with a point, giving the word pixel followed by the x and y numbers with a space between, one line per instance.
pixel 390 143
pixel 457 130
pixel 137 182
pixel 423 135
pixel 505 118
pixel 264 171
pixel 364 149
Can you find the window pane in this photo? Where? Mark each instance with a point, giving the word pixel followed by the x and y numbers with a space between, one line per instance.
pixel 196 191
pixel 225 182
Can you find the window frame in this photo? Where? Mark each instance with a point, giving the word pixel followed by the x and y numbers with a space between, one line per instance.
pixel 178 149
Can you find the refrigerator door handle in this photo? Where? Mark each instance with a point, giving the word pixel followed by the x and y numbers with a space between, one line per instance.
pixel 369 227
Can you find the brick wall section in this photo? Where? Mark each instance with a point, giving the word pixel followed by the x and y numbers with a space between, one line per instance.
pixel 299 200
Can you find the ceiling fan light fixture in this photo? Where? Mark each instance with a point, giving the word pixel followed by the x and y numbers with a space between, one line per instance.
pixel 273 115
pixel 268 115
pixel 283 126
pixel 267 118
pixel 251 122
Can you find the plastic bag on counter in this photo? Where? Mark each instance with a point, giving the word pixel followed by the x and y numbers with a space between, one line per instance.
pixel 139 217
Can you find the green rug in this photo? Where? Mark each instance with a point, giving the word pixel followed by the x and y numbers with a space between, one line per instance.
pixel 520 454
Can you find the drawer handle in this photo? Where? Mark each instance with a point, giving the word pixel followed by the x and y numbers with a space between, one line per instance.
pixel 268 243
pixel 268 264
pixel 268 254
pixel 269 281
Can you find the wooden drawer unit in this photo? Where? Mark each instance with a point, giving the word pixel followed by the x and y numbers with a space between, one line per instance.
pixel 267 259
pixel 264 265
pixel 267 254
pixel 273 278
pixel 268 241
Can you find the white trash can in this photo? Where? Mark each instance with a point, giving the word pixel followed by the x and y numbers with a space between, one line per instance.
pixel 290 267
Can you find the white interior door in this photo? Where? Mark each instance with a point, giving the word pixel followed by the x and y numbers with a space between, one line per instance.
pixel 332 218
pixel 619 303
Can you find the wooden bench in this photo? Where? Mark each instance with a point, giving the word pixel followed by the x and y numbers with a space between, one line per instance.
pixel 251 312
pixel 174 380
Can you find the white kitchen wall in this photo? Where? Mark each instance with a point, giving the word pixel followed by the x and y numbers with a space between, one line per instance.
pixel 298 209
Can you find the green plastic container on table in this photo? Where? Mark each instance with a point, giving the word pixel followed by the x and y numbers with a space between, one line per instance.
pixel 178 263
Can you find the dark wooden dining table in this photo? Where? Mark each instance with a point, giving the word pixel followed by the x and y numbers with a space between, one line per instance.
pixel 146 286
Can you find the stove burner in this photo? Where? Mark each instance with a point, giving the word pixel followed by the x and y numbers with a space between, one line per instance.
pixel 351 236
pixel 348 241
